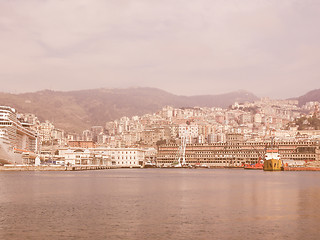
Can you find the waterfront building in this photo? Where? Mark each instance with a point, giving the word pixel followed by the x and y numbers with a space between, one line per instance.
pixel 116 157
pixel 127 157
pixel 236 153
pixel 81 156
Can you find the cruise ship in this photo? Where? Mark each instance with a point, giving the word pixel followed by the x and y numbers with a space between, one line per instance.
pixel 16 137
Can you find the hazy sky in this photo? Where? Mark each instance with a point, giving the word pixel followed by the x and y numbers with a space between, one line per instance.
pixel 188 47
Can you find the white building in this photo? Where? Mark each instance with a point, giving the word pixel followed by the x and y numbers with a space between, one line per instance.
pixel 127 157
pixel 188 131
pixel 80 156
pixel 117 157
pixel 45 131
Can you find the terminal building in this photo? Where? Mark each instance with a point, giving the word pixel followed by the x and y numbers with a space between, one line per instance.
pixel 115 157
pixel 235 152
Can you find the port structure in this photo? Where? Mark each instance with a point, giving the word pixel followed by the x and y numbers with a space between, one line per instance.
pixel 181 154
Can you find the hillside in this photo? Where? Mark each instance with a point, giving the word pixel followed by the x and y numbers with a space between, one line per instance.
pixel 311 96
pixel 78 110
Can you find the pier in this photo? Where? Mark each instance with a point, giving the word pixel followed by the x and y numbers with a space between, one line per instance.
pixel 53 167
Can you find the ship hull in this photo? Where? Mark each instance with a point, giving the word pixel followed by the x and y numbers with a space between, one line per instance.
pixel 272 165
pixel 149 166
pixel 256 166
pixel 9 157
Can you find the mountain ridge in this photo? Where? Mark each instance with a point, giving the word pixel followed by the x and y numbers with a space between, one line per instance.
pixel 313 95
pixel 78 110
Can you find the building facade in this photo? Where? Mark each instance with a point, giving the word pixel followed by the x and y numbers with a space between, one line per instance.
pixel 116 157
pixel 235 154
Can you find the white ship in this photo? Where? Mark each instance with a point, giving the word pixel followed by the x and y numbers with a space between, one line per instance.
pixel 15 138
pixel 8 156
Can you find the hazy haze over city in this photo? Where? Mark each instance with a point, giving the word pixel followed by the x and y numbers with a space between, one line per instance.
pixel 268 47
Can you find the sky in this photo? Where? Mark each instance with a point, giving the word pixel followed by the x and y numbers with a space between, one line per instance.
pixel 186 47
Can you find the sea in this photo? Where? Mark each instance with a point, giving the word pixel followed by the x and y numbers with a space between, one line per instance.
pixel 159 204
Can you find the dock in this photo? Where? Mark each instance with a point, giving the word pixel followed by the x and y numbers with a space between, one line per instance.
pixel 54 167
pixel 302 168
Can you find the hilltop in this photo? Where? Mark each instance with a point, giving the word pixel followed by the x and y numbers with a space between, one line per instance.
pixel 311 96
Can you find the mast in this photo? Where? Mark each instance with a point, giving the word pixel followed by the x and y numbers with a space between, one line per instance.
pixel 182 152
pixel 184 144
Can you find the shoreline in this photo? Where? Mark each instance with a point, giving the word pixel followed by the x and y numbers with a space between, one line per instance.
pixel 52 168
pixel 18 168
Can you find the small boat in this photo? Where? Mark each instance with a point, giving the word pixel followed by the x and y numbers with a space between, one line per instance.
pixel 256 166
pixel 149 164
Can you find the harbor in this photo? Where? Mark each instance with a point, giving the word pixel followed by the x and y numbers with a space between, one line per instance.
pixel 146 204
pixel 309 166
pixel 24 148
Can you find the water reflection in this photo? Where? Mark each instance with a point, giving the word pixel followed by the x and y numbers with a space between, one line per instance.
pixel 159 204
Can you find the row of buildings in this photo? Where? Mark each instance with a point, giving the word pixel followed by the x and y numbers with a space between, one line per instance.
pixel 210 129
pixel 236 152
pixel 257 121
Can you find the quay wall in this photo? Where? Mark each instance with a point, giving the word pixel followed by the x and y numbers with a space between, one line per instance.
pixel 52 168
pixel 301 168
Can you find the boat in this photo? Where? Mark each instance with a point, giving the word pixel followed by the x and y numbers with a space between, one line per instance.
pixel 16 138
pixel 8 155
pixel 255 166
pixel 149 164
pixel 199 165
pixel 272 160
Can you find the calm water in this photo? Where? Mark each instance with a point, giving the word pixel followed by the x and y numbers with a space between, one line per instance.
pixel 160 204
